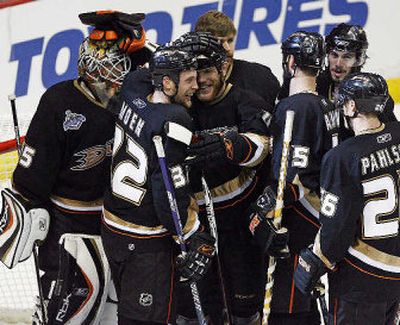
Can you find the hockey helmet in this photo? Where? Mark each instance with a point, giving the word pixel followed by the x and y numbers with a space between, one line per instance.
pixel 368 90
pixel 307 49
pixel 101 60
pixel 207 48
pixel 170 61
pixel 351 38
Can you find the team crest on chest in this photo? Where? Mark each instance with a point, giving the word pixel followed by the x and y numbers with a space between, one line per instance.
pixel 73 121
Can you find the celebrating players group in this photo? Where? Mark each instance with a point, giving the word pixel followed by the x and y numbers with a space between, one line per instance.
pixel 162 187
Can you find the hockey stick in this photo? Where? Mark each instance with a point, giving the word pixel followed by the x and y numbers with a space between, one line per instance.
pixel 35 246
pixel 319 293
pixel 214 232
pixel 287 138
pixel 177 220
pixel 12 98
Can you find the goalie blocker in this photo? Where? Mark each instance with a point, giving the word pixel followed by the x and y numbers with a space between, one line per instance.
pixel 21 226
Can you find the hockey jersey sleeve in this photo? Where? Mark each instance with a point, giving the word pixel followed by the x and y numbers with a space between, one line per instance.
pixel 175 153
pixel 38 166
pixel 251 145
pixel 341 207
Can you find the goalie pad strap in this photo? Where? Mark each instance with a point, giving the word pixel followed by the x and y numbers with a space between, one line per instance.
pixel 20 228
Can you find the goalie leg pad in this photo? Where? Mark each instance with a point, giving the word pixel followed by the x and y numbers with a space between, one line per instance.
pixel 83 281
pixel 20 228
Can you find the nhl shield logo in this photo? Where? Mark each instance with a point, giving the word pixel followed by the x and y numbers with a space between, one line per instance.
pixel 73 121
pixel 146 299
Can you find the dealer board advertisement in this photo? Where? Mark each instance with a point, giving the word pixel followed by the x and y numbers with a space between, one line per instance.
pixel 40 39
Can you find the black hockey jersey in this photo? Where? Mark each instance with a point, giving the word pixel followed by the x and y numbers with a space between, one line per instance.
pixel 241 110
pixel 360 216
pixel 315 131
pixel 256 78
pixel 136 208
pixel 67 152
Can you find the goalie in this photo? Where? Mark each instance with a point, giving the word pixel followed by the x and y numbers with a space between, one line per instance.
pixel 62 172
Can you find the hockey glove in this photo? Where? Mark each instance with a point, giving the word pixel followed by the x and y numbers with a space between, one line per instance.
pixel 195 263
pixel 207 148
pixel 271 240
pixel 308 271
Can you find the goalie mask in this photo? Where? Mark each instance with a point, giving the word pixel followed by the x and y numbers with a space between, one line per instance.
pixel 368 90
pixel 350 38
pixel 102 65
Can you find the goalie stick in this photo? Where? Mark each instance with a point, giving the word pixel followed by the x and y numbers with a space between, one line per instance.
pixel 12 99
pixel 287 138
pixel 177 221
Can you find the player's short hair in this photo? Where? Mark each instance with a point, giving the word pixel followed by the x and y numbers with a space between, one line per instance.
pixel 368 90
pixel 307 49
pixel 170 61
pixel 350 38
pixel 207 49
pixel 216 23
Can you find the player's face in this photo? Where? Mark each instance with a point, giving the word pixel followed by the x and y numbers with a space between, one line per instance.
pixel 228 42
pixel 187 87
pixel 210 84
pixel 340 64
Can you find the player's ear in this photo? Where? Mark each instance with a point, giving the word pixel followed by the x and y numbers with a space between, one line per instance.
pixel 167 83
pixel 291 63
pixel 224 69
pixel 350 108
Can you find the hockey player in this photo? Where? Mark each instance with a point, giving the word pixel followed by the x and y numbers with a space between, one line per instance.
pixel 232 140
pixel 251 76
pixel 359 236
pixel 63 169
pixel 346 49
pixel 138 228
pixel 315 131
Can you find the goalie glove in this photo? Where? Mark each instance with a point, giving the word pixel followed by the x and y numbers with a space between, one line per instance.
pixel 308 272
pixel 115 25
pixel 271 240
pixel 195 263
pixel 21 226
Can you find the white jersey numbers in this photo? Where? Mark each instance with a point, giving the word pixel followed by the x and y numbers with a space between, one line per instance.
pixel 26 156
pixel 300 156
pixel 329 203
pixel 381 211
pixel 129 175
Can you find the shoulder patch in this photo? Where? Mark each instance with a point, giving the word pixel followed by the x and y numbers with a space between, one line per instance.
pixel 73 121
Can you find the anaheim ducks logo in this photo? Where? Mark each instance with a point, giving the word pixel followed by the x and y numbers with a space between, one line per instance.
pixel 91 157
